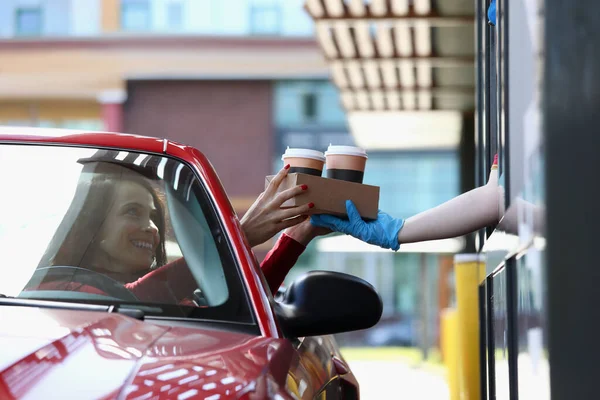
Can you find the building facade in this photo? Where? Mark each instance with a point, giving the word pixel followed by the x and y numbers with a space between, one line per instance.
pixel 90 18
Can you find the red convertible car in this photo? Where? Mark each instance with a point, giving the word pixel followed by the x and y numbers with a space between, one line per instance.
pixel 125 274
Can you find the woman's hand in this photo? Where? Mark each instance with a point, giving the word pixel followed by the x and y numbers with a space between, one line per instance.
pixel 266 218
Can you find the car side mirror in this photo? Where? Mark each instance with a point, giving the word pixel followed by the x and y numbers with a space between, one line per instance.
pixel 324 303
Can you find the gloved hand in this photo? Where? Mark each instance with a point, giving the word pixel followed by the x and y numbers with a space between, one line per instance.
pixel 382 232
pixel 492 13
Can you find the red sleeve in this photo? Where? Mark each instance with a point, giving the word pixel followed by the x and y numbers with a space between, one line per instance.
pixel 280 260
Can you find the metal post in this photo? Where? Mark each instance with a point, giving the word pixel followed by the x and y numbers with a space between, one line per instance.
pixel 469 270
pixel 424 323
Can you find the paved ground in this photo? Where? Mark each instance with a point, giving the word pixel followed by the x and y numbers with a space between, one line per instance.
pixel 397 380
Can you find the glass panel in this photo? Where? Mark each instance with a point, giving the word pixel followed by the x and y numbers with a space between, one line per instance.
pixel 286 104
pixel 483 343
pixel 295 20
pixel 309 106
pixel 265 20
pixel 299 139
pixel 91 225
pixel 500 328
pixel 420 180
pixel 175 15
pixel 29 21
pixel 135 15
pixel 336 138
pixel 493 97
pixel 534 373
pixel 321 97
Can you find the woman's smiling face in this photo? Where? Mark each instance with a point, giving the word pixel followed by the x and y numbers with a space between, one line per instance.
pixel 129 236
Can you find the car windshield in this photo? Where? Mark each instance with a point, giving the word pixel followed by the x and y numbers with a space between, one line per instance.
pixel 114 227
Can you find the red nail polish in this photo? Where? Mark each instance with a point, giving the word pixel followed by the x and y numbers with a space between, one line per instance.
pixel 287 166
pixel 304 187
pixel 311 205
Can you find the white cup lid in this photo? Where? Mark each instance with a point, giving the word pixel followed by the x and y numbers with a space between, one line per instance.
pixel 346 150
pixel 303 153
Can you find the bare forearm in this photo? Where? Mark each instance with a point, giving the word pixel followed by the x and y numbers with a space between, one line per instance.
pixel 463 214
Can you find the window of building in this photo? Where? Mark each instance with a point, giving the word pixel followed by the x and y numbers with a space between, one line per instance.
pixel 175 15
pixel 265 19
pixel 29 21
pixel 135 15
pixel 330 109
pixel 310 102
pixel 295 21
pixel 309 106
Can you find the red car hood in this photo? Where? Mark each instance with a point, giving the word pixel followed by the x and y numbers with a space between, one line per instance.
pixel 85 354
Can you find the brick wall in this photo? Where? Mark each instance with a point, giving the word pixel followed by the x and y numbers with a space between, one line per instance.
pixel 229 121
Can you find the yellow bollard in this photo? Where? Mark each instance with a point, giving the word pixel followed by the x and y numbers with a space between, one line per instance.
pixel 450 354
pixel 469 270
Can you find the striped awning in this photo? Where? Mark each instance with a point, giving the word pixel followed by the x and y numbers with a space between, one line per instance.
pixel 398 54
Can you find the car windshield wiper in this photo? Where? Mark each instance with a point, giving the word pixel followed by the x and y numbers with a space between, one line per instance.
pixel 15 301
pixel 128 310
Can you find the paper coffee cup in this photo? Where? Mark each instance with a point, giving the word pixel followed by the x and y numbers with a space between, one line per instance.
pixel 346 163
pixel 304 161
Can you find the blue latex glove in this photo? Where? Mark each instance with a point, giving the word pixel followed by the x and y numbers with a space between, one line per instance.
pixel 492 13
pixel 382 232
